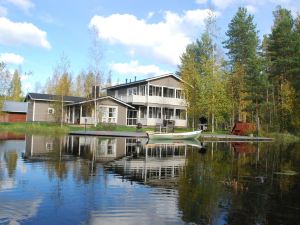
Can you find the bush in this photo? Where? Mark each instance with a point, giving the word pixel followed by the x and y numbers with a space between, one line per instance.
pixel 106 126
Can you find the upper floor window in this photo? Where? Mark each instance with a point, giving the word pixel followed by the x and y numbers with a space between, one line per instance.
pixel 179 93
pixel 143 90
pixel 132 91
pixel 168 92
pixel 154 91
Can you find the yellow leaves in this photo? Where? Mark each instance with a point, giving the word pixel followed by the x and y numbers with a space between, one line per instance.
pixel 287 97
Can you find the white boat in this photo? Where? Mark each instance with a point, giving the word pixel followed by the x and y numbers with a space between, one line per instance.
pixel 174 136
pixel 174 142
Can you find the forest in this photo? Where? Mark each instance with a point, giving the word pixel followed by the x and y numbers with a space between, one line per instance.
pixel 255 81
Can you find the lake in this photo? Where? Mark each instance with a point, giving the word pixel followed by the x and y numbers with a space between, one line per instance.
pixel 99 180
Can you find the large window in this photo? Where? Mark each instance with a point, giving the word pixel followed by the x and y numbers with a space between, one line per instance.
pixel 154 112
pixel 143 111
pixel 179 93
pixel 132 91
pixel 143 90
pixel 180 114
pixel 168 113
pixel 131 117
pixel 154 90
pixel 108 114
pixel 168 92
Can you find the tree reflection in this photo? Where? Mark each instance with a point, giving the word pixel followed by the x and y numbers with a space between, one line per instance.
pixel 11 159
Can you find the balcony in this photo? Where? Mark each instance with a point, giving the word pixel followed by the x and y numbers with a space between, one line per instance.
pixel 143 100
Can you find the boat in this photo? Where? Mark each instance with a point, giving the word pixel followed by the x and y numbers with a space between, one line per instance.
pixel 174 142
pixel 174 136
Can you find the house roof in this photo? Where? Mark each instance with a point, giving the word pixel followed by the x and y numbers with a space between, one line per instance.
pixel 144 80
pixel 100 98
pixel 49 97
pixel 17 107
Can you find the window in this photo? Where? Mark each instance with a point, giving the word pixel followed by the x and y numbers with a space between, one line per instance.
pixel 50 111
pixel 154 91
pixel 108 114
pixel 154 112
pixel 180 114
pixel 132 91
pixel 49 146
pixel 179 94
pixel 143 90
pixel 168 92
pixel 131 117
pixel 168 113
pixel 143 111
pixel 86 111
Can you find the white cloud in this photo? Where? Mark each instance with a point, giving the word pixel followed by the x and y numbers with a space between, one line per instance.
pixel 293 5
pixel 222 4
pixel 11 58
pixel 134 68
pixel 3 11
pixel 251 9
pixel 22 4
pixel 201 1
pixel 165 40
pixel 150 15
pixel 14 33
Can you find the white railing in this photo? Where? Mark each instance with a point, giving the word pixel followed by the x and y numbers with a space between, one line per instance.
pixel 87 120
pixel 153 100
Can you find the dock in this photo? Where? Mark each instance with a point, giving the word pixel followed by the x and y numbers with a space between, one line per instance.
pixel 224 137
pixel 111 134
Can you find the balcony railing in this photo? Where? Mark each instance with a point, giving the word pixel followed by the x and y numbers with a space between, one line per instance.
pixel 153 99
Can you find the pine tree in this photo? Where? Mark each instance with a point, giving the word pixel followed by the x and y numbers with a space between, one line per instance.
pixel 282 53
pixel 246 64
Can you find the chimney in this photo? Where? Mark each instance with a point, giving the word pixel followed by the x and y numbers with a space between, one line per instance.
pixel 126 80
pixel 130 81
pixel 134 78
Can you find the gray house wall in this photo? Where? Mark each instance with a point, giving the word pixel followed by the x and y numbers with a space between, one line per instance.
pixel 166 81
pixel 29 112
pixel 41 112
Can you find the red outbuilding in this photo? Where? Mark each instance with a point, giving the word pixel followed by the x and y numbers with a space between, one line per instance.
pixel 14 112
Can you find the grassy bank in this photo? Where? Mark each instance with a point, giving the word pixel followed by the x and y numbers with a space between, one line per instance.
pixel 51 128
pixel 284 137
pixel 43 128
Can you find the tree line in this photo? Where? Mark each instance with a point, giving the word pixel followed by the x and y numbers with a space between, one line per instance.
pixel 257 82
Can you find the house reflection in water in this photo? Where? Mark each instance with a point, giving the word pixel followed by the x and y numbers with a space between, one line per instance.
pixel 131 158
pixel 155 164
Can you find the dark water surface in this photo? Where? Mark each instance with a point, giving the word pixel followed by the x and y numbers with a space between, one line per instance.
pixel 92 180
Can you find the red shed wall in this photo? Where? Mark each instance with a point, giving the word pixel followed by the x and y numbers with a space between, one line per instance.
pixel 12 117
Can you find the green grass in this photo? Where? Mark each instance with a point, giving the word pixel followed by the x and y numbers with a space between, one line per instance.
pixel 44 128
pixel 283 137
pixel 52 128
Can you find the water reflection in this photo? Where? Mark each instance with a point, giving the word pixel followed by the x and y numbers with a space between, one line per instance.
pixel 92 180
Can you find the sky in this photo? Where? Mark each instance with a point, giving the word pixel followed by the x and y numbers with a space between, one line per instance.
pixel 136 38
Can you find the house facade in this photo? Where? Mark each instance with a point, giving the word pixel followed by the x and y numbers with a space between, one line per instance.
pixel 149 102
pixel 41 106
pixel 154 100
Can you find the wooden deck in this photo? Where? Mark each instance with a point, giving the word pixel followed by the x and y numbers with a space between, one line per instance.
pixel 224 137
pixel 231 137
pixel 110 133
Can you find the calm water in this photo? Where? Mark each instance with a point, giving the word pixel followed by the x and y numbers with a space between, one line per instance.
pixel 88 180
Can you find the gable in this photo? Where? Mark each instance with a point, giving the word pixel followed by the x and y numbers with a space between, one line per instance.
pixel 169 81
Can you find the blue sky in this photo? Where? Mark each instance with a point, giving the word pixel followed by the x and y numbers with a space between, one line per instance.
pixel 137 38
